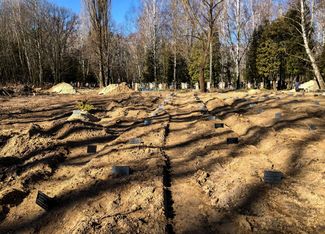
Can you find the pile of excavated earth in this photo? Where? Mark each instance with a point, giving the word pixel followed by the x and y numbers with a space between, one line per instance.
pixel 114 89
pixel 63 88
pixel 162 162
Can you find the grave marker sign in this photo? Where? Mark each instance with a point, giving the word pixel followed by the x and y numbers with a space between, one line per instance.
pixel 91 149
pixel 121 170
pixel 232 140
pixel 147 122
pixel 219 125
pixel 44 201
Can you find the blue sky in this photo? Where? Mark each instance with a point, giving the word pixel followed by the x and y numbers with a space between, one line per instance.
pixel 120 8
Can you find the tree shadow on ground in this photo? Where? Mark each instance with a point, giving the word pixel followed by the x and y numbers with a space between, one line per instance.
pixel 256 193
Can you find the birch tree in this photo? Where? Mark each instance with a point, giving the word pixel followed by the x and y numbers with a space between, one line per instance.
pixel 304 33
pixel 150 27
pixel 236 31
pixel 319 21
pixel 175 34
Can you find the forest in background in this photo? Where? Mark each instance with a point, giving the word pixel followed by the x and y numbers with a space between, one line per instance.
pixel 233 41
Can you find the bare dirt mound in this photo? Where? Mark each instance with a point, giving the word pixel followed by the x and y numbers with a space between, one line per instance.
pixel 113 89
pixel 63 88
pixel 309 86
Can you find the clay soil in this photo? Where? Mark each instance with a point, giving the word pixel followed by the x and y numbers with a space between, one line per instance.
pixel 184 178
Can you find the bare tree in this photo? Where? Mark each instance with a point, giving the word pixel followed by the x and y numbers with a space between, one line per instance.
pixel 304 33
pixel 175 34
pixel 150 26
pixel 29 26
pixel 319 21
pixel 261 11
pixel 203 15
pixel 60 27
pixel 99 16
pixel 236 31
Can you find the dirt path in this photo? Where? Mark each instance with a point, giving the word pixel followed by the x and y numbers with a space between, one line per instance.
pixel 189 131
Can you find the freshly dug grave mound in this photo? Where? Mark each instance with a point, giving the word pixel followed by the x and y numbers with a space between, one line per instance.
pixel 79 130
pixel 253 91
pixel 22 145
pixel 63 88
pixel 107 89
pixel 115 89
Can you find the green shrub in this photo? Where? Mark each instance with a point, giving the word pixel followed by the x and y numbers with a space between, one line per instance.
pixel 84 106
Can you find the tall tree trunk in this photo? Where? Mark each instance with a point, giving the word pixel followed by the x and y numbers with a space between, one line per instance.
pixel 106 71
pixel 99 11
pixel 307 48
pixel 101 60
pixel 83 70
pixel 274 84
pixel 154 64
pixel 111 76
pixel 40 68
pixel 175 37
pixel 100 75
pixel 139 73
pixel 155 41
pixel 238 73
pixel 211 63
pixel 253 13
pixel 238 42
pixel 312 12
pixel 175 67
pixel 202 79
pixel 210 40
pixel 28 65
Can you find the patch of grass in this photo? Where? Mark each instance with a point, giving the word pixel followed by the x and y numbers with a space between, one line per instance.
pixel 84 106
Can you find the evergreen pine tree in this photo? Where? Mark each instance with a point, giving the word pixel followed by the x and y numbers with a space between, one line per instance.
pixel 252 74
pixel 216 58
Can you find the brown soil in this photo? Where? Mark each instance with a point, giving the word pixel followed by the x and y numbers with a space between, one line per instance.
pixel 184 177
pixel 114 89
